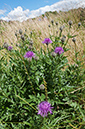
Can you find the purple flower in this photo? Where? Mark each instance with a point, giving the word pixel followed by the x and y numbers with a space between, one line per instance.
pixel 59 50
pixel 47 41
pixel 10 48
pixel 44 107
pixel 29 54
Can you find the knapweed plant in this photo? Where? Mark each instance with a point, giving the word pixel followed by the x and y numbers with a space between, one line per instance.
pixel 39 89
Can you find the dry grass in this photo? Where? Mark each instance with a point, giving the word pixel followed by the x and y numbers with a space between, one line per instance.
pixel 41 30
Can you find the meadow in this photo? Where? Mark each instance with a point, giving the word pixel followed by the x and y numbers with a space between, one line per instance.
pixel 42 72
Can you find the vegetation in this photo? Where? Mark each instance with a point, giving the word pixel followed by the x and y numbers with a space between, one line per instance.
pixel 42 82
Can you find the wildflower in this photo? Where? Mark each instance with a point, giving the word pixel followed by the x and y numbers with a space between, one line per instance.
pixel 74 40
pixel 42 87
pixel 53 54
pixel 79 24
pixel 70 23
pixel 61 28
pixel 62 39
pixel 22 37
pixel 59 50
pixel 15 34
pixel 20 31
pixel 47 41
pixel 44 107
pixel 5 45
pixel 56 23
pixel 29 54
pixel 52 22
pixel 10 48
pixel 25 34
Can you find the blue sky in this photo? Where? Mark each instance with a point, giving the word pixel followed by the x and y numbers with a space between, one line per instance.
pixel 25 4
pixel 24 9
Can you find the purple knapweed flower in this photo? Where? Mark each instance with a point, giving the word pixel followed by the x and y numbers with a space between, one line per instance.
pixel 59 50
pixel 29 54
pixel 47 41
pixel 10 48
pixel 44 107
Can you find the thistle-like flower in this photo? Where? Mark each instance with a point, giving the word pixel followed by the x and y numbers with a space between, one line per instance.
pixel 59 50
pixel 62 39
pixel 47 41
pixel 20 31
pixel 5 45
pixel 79 24
pixel 56 23
pixel 61 28
pixel 22 37
pixel 29 54
pixel 52 22
pixel 53 54
pixel 42 87
pixel 10 48
pixel 44 107
pixel 74 40
pixel 70 23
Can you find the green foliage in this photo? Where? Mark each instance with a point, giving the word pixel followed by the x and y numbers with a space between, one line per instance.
pixel 20 92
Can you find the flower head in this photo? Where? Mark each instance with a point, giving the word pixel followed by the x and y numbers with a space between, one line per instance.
pixel 42 87
pixel 5 45
pixel 59 50
pixel 44 107
pixel 29 54
pixel 47 41
pixel 10 48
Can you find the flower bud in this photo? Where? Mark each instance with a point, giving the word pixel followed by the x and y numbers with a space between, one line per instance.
pixel 79 24
pixel 25 34
pixel 70 22
pixel 74 40
pixel 16 34
pixel 5 45
pixel 52 22
pixel 20 31
pixel 56 23
pixel 62 39
pixel 61 28
pixel 42 87
pixel 53 54
pixel 22 37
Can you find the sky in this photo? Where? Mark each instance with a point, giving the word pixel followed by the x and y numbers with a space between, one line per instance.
pixel 26 4
pixel 24 9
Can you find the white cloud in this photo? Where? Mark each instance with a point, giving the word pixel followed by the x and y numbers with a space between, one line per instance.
pixel 21 15
pixel 2 12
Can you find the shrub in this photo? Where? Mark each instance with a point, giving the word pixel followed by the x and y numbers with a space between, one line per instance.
pixel 37 83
